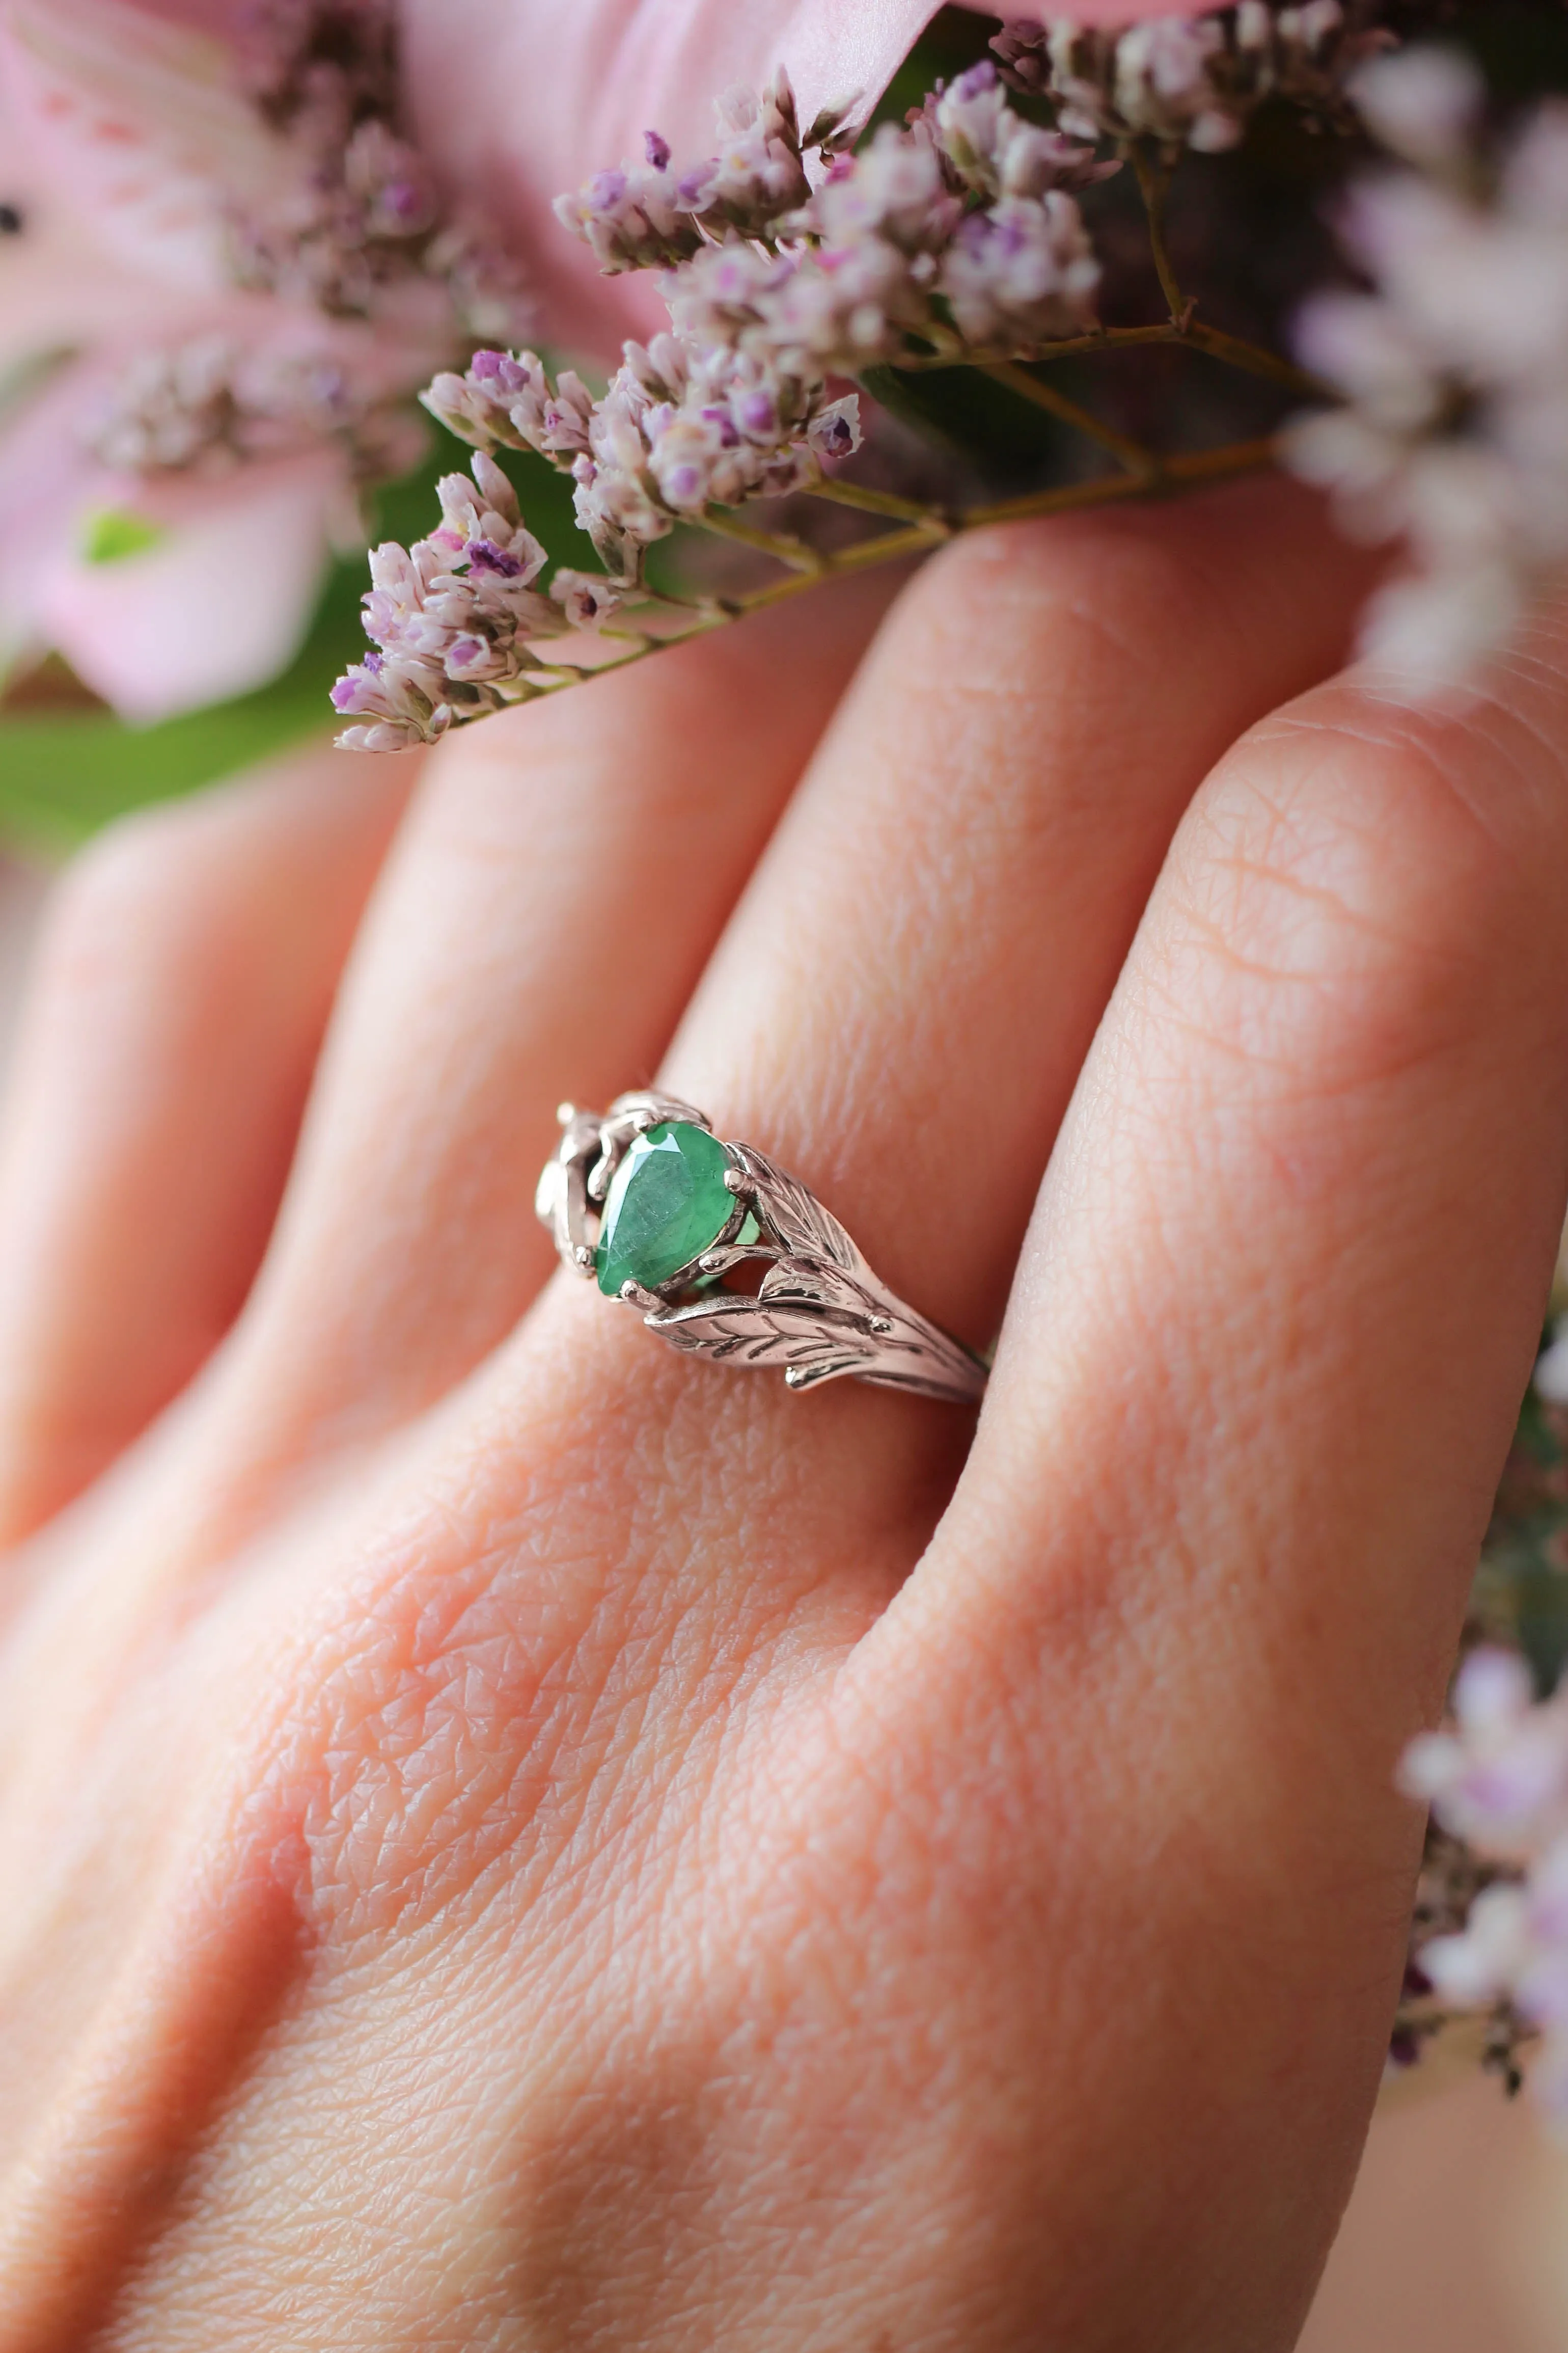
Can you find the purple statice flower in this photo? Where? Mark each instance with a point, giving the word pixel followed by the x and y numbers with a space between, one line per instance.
pixel 1022 273
pixel 1498 1786
pixel 457 620
pixel 587 598
pixel 209 405
pixel 507 400
pixel 758 173
pixel 993 150
pixel 1452 368
pixel 647 216
pixel 632 218
pixel 1193 81
pixel 685 424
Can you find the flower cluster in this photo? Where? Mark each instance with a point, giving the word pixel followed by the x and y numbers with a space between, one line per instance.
pixel 1452 368
pixel 357 229
pixel 684 426
pixel 1499 1783
pixel 956 229
pixel 648 215
pixel 456 619
pixel 1193 81
pixel 957 232
pixel 211 404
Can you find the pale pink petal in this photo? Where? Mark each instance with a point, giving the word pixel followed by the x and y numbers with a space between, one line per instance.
pixel 518 99
pixel 47 484
pixel 218 607
pixel 139 129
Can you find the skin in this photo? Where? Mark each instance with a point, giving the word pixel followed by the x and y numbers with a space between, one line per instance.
pixel 513 1839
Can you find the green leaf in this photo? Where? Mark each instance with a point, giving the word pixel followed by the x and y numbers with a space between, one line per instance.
pixel 114 532
pixel 62 776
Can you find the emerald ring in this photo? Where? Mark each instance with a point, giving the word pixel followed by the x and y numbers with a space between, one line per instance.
pixel 646 1202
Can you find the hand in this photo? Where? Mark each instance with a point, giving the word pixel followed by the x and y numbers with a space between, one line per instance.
pixel 514 1838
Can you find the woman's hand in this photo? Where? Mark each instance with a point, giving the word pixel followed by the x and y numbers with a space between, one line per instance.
pixel 516 1839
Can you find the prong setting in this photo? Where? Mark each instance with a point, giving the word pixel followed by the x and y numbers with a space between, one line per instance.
pixel 820 1314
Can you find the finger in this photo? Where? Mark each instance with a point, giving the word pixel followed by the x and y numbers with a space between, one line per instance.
pixel 904 1003
pixel 901 1003
pixel 182 987
pixel 560 883
pixel 1257 1384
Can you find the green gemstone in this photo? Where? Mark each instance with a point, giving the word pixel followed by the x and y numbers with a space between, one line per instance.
pixel 667 1203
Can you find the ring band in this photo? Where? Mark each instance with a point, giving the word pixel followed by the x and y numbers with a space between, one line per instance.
pixel 646 1200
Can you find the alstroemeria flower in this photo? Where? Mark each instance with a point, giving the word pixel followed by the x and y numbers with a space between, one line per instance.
pixel 523 99
pixel 189 382
pixel 213 380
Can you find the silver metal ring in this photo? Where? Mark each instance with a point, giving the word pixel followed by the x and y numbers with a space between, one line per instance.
pixel 645 1200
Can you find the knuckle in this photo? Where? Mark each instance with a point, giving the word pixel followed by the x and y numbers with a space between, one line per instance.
pixel 1341 908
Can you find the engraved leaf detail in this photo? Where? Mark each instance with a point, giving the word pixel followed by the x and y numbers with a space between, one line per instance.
pixel 755 1331
pixel 804 1229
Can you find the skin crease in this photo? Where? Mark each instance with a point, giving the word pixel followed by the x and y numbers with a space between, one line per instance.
pixel 516 1840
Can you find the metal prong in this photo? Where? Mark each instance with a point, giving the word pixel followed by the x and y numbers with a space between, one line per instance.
pixel 636 1296
pixel 645 1118
pixel 582 1259
pixel 566 1114
pixel 880 1325
pixel 795 1375
pixel 736 1181
pixel 599 1177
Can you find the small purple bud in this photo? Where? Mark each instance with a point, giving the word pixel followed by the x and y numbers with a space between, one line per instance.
pixel 728 436
pixel 464 652
pixel 685 484
pixel 406 198
pixel 759 411
pixel 657 150
pixel 605 190
pixel 488 367
pixel 694 188
pixel 484 555
pixel 976 81
pixel 374 663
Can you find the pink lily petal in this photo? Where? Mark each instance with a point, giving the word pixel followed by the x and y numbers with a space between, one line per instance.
pixel 219 606
pixel 518 100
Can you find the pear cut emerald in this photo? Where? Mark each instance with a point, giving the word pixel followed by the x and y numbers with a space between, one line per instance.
pixel 667 1204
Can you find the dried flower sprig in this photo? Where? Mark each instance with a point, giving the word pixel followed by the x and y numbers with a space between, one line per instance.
pixel 1194 82
pixel 956 239
pixel 1452 368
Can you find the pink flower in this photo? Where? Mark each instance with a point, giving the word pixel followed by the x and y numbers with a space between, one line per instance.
pixel 526 98
pixel 213 339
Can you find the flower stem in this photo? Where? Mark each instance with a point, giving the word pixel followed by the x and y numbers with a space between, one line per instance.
pixel 881 502
pixel 1130 455
pixel 1187 470
pixel 783 549
pixel 1154 186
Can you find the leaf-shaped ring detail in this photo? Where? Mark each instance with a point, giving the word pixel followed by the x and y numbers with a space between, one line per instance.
pixel 819 1313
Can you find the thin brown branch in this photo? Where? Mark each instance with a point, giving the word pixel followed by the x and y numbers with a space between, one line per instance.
pixel 1153 176
pixel 881 502
pixel 783 548
pixel 1254 359
pixel 1131 455
pixel 1185 470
